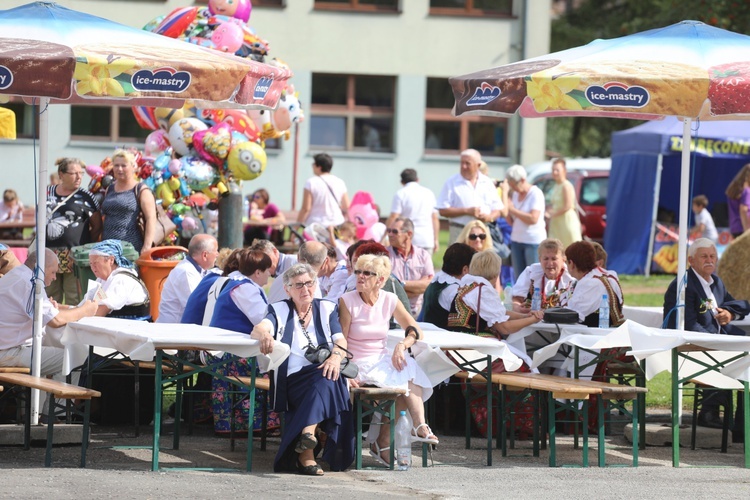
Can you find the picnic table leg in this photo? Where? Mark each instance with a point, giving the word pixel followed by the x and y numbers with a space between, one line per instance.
pixel 50 430
pixel 502 431
pixel 636 425
pixel 535 422
pixel 86 430
pixel 551 426
pixel 488 376
pixel 746 418
pixel 586 432
pixel 251 416
pixel 157 412
pixel 600 428
pixel 641 382
pixel 675 411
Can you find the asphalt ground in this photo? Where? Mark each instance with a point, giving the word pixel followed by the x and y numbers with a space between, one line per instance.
pixel 114 470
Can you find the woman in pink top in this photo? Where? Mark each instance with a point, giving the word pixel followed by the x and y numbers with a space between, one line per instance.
pixel 364 314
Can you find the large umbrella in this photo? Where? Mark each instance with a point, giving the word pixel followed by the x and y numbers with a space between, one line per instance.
pixel 690 70
pixel 51 54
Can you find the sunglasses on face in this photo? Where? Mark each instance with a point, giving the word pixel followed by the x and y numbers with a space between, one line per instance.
pixel 393 231
pixel 364 273
pixel 480 236
pixel 303 284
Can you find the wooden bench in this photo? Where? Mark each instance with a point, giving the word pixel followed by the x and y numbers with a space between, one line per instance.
pixel 59 390
pixel 568 388
pixel 371 401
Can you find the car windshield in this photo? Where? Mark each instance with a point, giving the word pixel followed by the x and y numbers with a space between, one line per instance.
pixel 594 191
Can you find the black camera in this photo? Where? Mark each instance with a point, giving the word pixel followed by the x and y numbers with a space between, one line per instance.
pixel 317 355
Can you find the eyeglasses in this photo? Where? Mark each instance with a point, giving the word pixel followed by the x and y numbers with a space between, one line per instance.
pixel 77 174
pixel 480 236
pixel 256 196
pixel 364 273
pixel 393 231
pixel 302 284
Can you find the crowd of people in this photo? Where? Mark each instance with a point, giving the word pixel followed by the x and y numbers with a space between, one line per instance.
pixel 333 303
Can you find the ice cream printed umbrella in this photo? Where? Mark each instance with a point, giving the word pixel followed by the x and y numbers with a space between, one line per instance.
pixel 690 70
pixel 51 54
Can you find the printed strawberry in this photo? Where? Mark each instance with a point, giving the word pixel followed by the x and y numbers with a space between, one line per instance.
pixel 729 88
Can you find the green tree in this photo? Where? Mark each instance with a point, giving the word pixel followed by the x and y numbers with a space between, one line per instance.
pixel 593 19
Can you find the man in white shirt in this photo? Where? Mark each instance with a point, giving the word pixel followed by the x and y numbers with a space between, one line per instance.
pixel 469 195
pixel 17 322
pixel 182 280
pixel 313 253
pixel 417 203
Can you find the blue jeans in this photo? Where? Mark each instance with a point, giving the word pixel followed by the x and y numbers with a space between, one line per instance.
pixel 523 255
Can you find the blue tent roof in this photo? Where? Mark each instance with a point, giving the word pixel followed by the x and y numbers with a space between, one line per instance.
pixel 658 136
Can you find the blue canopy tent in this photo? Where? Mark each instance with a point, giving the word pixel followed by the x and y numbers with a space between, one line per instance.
pixel 645 179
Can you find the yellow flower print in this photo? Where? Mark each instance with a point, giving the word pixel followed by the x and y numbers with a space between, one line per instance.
pixel 548 93
pixel 96 75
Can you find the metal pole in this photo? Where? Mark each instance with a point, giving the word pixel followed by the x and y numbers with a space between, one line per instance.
pixel 295 166
pixel 230 218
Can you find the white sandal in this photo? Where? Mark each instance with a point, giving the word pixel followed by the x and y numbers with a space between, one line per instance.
pixel 415 437
pixel 376 453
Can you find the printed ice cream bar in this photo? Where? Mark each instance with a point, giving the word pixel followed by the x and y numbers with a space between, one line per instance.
pixel 500 89
pixel 34 68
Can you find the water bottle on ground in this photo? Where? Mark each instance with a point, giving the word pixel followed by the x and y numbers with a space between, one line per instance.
pixel 536 300
pixel 403 442
pixel 604 312
pixel 508 297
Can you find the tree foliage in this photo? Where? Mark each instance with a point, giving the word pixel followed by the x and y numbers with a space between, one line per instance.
pixel 593 19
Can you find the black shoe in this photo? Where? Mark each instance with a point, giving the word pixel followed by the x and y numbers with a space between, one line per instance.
pixel 710 419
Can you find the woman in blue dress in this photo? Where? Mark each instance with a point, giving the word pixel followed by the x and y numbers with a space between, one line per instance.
pixel 313 395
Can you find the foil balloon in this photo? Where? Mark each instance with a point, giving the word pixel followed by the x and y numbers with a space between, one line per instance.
pixel 239 9
pixel 166 117
pixel 177 21
pixel 156 143
pixel 227 37
pixel 181 134
pixel 246 161
pixel 145 117
pixel 217 140
pixel 198 174
pixel 189 223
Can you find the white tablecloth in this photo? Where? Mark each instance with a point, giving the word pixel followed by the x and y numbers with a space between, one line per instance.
pixel 652 316
pixel 438 366
pixel 656 346
pixel 140 339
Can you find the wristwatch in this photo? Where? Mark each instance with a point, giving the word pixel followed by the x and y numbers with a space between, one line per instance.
pixel 337 353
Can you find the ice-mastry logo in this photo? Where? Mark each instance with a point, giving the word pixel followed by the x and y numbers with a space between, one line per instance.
pixel 616 94
pixel 484 94
pixel 161 80
pixel 262 88
pixel 6 78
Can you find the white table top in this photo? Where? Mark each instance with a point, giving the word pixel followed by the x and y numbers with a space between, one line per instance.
pixel 139 340
pixel 653 317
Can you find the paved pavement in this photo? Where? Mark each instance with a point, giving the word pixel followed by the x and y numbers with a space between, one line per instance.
pixel 458 473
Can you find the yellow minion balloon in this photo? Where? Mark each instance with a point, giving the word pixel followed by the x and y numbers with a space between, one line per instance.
pixel 246 160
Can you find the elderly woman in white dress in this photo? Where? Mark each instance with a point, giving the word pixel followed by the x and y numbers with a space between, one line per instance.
pixel 126 294
pixel 526 214
pixel 364 315
pixel 550 275
pixel 592 283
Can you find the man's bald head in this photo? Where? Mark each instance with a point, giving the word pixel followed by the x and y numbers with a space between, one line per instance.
pixel 313 253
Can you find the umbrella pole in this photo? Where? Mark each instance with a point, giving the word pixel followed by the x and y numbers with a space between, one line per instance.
pixel 41 238
pixel 682 255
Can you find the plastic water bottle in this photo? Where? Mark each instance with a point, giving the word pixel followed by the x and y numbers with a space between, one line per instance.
pixel 604 312
pixel 536 300
pixel 508 297
pixel 403 442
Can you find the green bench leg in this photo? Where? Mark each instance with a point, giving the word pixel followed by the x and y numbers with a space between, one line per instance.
pixel 636 425
pixel 586 432
pixel 600 429
pixel 358 447
pixel 157 412
pixel 551 424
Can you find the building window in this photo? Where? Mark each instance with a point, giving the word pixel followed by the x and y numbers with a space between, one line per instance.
pixel 359 5
pixel 106 124
pixel 498 8
pixel 447 134
pixel 352 112
pixel 27 118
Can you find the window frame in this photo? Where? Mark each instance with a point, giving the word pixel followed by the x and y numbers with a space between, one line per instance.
pixel 114 126
pixel 15 100
pixel 469 10
pixel 355 6
pixel 351 112
pixel 445 115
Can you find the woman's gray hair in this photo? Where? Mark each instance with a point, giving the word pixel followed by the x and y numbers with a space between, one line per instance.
pixel 298 270
pixel 516 173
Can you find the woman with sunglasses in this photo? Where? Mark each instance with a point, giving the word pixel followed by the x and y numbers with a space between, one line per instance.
pixel 477 236
pixel 241 305
pixel 313 395
pixel 365 313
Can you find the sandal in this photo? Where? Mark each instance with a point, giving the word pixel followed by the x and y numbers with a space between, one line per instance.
pixel 306 441
pixel 377 453
pixel 428 438
pixel 309 470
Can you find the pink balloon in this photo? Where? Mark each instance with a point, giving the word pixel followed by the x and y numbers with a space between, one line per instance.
pixel 94 171
pixel 156 142
pixel 174 166
pixel 189 224
pixel 228 37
